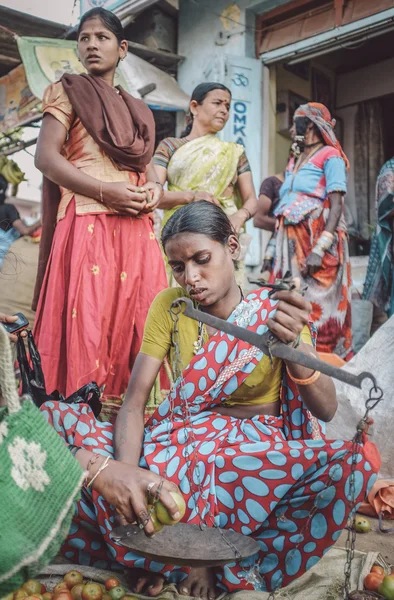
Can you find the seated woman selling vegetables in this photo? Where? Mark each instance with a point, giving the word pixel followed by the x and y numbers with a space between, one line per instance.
pixel 251 456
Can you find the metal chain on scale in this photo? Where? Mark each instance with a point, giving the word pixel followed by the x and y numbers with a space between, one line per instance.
pixel 253 575
pixel 196 488
pixel 375 396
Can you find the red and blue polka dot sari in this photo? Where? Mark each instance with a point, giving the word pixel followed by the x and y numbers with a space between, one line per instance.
pixel 276 479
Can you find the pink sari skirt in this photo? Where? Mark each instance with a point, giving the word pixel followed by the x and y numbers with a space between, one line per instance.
pixel 103 273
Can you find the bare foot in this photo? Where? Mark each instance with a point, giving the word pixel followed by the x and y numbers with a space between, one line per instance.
pixel 145 582
pixel 200 583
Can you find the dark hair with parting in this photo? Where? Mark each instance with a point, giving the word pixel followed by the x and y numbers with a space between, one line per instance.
pixel 199 94
pixel 108 19
pixel 301 124
pixel 199 217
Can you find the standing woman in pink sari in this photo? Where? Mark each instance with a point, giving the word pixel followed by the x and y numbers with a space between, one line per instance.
pixel 100 264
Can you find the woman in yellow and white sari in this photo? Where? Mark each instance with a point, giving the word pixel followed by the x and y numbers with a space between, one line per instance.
pixel 199 166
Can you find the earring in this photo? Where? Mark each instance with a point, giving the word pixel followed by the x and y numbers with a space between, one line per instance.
pixel 298 145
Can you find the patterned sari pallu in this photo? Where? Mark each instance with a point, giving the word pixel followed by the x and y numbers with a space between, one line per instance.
pixel 274 478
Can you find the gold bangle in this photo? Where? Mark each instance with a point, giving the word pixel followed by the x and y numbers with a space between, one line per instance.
pixel 308 381
pixel 103 466
pixel 101 192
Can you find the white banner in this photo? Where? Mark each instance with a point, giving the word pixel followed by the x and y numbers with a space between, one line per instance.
pixel 243 76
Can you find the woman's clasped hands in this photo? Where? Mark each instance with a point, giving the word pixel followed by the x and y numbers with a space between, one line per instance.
pixel 128 199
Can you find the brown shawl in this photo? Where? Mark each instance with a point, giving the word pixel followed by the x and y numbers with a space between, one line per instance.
pixel 121 125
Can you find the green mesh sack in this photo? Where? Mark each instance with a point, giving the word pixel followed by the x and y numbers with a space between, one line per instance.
pixel 39 482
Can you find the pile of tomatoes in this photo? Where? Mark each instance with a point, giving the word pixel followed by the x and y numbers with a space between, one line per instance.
pixel 73 587
pixel 378 581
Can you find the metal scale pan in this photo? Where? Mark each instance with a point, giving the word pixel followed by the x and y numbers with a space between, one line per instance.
pixel 187 544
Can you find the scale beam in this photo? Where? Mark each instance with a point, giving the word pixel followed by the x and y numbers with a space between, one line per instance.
pixel 270 344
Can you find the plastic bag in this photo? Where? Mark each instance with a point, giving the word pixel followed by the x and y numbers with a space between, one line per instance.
pixel 88 394
pixel 33 380
pixel 380 503
pixel 32 376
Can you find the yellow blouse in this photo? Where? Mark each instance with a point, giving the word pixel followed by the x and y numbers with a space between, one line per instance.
pixel 83 152
pixel 262 386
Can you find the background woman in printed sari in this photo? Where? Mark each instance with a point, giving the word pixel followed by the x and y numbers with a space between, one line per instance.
pixel 105 265
pixel 379 282
pixel 311 239
pixel 199 166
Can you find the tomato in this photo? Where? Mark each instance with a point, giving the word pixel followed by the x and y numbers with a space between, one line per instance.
pixel 19 594
pixel 9 596
pixel 47 596
pixel 386 588
pixel 60 587
pixel 76 591
pixel 73 578
pixel 378 569
pixel 63 595
pixel 43 589
pixel 92 591
pixel 111 583
pixel 32 586
pixel 117 592
pixel 162 513
pixel 34 597
pixel 106 596
pixel 372 582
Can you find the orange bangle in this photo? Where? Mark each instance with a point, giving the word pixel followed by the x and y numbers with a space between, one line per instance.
pixel 314 377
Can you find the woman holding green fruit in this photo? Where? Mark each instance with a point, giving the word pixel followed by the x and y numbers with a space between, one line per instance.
pixel 242 437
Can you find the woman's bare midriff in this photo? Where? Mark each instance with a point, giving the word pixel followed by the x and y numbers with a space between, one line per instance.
pixel 249 410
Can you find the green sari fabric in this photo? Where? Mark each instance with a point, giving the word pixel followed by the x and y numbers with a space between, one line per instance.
pixel 206 164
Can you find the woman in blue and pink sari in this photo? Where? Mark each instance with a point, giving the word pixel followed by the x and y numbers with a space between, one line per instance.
pixel 311 239
pixel 251 456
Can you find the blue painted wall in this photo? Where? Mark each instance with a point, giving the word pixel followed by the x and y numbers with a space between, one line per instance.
pixel 200 27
